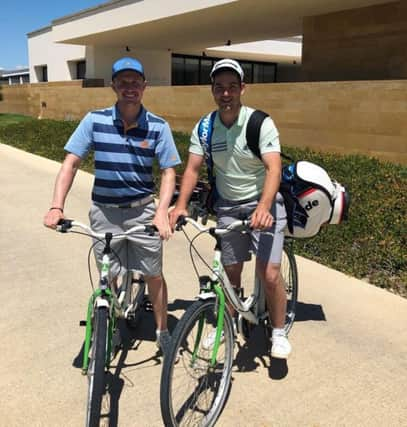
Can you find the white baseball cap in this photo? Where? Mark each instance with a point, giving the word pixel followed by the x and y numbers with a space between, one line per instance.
pixel 230 64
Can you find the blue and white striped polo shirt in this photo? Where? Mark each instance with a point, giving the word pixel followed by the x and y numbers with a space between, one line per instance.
pixel 123 161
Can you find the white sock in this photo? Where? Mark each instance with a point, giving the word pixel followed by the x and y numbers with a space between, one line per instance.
pixel 279 332
pixel 159 332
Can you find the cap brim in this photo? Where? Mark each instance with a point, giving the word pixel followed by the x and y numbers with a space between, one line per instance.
pixel 128 69
pixel 228 68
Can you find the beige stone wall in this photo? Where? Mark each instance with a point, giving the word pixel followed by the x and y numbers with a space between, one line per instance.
pixel 366 43
pixel 347 117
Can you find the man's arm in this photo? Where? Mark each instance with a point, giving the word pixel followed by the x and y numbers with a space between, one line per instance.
pixel 62 186
pixel 167 188
pixel 262 217
pixel 189 181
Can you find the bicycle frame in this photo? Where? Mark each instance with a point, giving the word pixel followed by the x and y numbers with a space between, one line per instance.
pixel 103 295
pixel 252 309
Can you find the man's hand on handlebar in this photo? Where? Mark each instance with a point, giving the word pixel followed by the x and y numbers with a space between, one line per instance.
pixel 261 218
pixel 162 224
pixel 52 217
pixel 175 214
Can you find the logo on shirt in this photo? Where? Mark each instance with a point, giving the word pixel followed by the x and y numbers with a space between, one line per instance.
pixel 144 144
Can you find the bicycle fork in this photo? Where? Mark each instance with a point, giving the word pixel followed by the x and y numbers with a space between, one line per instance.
pixel 100 298
pixel 220 305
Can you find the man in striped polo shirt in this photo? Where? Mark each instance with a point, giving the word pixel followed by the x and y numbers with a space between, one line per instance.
pixel 126 139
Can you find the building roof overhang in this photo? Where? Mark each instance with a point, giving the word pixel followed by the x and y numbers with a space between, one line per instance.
pixel 181 25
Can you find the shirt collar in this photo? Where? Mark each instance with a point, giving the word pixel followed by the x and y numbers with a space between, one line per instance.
pixel 239 122
pixel 140 119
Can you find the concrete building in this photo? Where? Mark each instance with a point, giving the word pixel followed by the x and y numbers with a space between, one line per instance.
pixel 13 77
pixel 177 40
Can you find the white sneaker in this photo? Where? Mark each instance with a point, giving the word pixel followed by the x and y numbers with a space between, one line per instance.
pixel 281 347
pixel 209 341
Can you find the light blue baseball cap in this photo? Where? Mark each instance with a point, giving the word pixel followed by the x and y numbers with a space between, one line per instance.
pixel 125 64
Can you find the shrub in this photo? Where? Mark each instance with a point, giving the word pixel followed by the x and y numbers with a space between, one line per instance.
pixel 370 246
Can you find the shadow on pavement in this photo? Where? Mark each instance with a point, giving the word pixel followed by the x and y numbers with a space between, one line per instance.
pixel 250 355
pixel 126 340
pixel 307 311
pixel 256 350
pixel 180 304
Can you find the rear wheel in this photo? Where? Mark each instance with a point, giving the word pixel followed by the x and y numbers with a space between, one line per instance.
pixel 97 366
pixel 289 276
pixel 193 391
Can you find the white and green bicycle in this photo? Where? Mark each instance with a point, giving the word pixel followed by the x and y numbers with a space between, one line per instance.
pixel 196 376
pixel 106 306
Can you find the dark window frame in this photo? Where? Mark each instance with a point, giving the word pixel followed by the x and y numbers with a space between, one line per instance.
pixel 214 59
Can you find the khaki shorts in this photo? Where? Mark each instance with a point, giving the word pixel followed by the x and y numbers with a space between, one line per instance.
pixel 143 253
pixel 267 244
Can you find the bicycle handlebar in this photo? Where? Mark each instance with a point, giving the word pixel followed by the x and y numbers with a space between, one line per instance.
pixel 65 225
pixel 183 220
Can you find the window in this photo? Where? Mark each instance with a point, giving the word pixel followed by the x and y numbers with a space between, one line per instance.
pixel 41 73
pixel 269 73
pixel 206 67
pixel 248 71
pixel 177 70
pixel 191 71
pixel 194 70
pixel 80 69
pixel 264 73
pixel 44 70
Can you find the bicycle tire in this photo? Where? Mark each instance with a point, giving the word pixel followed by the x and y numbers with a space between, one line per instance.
pixel 192 391
pixel 97 365
pixel 289 274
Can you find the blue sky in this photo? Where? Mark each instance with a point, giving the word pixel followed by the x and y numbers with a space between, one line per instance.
pixel 21 17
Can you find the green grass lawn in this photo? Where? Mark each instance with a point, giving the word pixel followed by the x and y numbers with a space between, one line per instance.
pixel 7 119
pixel 371 245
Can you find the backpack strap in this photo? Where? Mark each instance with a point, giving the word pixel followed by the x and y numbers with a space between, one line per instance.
pixel 205 130
pixel 253 133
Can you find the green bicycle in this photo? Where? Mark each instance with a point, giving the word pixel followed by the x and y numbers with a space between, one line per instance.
pixel 105 308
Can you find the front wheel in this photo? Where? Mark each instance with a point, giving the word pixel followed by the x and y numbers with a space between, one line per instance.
pixel 97 366
pixel 193 390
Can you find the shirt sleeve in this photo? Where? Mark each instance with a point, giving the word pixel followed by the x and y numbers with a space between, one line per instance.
pixel 195 146
pixel 81 140
pixel 269 141
pixel 166 151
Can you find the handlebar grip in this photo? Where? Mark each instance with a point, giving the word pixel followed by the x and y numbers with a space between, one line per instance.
pixel 151 229
pixel 64 225
pixel 181 221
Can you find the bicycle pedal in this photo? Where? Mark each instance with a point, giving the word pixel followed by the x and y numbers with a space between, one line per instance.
pixel 82 323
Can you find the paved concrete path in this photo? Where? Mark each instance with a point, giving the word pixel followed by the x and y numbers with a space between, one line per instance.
pixel 348 367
